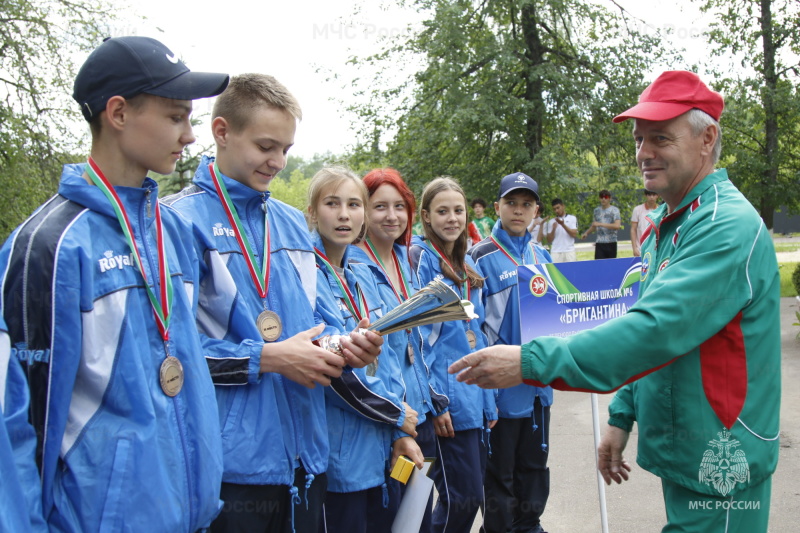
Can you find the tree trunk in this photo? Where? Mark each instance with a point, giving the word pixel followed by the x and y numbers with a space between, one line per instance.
pixel 768 92
pixel 534 53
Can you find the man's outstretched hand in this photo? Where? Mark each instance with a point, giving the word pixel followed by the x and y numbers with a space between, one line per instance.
pixel 496 367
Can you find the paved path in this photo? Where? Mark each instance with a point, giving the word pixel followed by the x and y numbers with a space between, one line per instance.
pixel 636 505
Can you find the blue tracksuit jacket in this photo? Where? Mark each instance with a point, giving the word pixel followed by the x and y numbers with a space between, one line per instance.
pixel 114 450
pixel 469 405
pixel 501 300
pixel 270 424
pixel 419 392
pixel 20 491
pixel 364 406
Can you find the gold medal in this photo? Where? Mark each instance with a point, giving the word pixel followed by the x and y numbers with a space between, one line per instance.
pixel 472 339
pixel 171 375
pixel 269 325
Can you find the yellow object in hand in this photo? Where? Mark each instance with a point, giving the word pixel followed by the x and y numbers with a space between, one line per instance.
pixel 402 469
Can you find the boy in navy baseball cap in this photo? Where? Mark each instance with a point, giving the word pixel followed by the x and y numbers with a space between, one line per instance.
pixel 97 288
pixel 517 480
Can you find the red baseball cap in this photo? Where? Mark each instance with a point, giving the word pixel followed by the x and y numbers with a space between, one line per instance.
pixel 674 93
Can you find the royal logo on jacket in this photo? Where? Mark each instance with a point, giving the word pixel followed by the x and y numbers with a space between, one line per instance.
pixel 25 355
pixel 221 231
pixel 111 261
pixel 507 274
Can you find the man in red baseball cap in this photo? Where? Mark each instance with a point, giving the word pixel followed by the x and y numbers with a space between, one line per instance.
pixel 697 358
pixel 672 161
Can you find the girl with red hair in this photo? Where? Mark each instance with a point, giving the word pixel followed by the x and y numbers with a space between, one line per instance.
pixel 390 212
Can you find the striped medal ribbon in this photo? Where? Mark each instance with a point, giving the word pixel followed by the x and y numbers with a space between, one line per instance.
pixel 171 371
pixel 268 322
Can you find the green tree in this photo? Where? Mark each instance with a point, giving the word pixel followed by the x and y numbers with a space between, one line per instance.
pixel 510 85
pixel 38 39
pixel 293 191
pixel 186 166
pixel 307 167
pixel 760 126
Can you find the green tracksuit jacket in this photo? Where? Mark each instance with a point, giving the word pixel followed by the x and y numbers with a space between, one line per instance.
pixel 698 354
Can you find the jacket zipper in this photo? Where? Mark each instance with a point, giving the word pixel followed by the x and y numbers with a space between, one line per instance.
pixel 181 423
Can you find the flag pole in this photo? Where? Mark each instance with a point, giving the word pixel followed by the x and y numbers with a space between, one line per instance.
pixel 601 487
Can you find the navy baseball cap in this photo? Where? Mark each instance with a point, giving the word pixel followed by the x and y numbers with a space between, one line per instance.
pixel 129 66
pixel 515 181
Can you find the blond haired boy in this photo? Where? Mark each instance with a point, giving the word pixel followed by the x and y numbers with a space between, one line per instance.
pixel 258 315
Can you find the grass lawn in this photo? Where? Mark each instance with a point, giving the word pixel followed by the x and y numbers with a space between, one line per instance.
pixel 787 246
pixel 785 269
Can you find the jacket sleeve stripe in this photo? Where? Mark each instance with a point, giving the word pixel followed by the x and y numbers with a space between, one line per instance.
pixel 229 371
pixel 31 264
pixel 357 395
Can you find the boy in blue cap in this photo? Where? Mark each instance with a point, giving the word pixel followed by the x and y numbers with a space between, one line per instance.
pixel 99 296
pixel 517 482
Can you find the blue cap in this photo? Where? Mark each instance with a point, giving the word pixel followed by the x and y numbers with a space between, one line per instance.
pixel 129 66
pixel 515 181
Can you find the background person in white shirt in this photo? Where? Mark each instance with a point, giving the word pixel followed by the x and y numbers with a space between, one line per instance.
pixel 561 231
pixel 536 227
pixel 638 224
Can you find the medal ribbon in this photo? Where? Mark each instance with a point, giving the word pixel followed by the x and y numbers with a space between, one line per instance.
pixel 161 309
pixel 261 279
pixel 462 286
pixel 399 269
pixel 508 254
pixel 358 311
